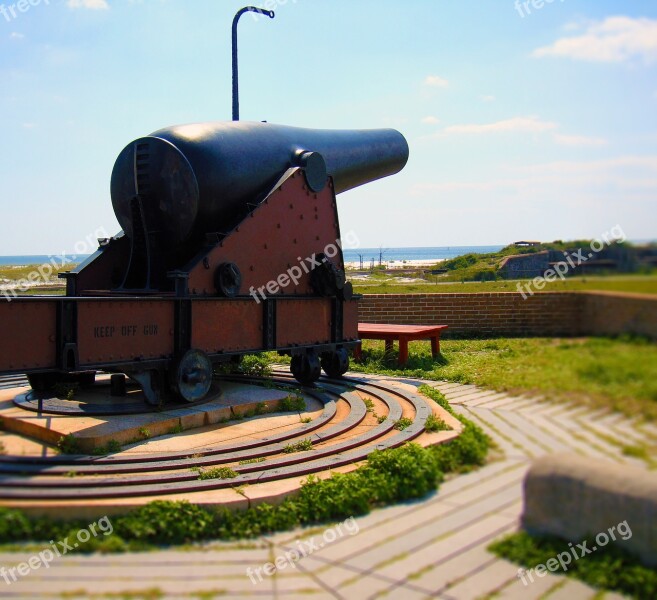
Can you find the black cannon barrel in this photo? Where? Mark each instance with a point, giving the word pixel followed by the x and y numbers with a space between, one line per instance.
pixel 197 178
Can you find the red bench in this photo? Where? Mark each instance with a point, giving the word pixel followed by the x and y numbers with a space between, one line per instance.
pixel 401 333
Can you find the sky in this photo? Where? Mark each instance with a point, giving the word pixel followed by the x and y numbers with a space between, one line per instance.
pixel 525 120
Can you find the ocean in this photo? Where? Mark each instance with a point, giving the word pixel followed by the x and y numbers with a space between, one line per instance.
pixel 368 254
pixel 424 254
pixel 33 259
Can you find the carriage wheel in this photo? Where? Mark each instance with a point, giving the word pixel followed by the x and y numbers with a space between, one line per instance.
pixel 335 364
pixel 306 368
pixel 191 376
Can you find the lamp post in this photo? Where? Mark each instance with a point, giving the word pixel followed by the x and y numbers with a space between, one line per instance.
pixel 236 100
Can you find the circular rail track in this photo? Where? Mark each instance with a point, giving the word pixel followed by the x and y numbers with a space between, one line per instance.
pixel 335 443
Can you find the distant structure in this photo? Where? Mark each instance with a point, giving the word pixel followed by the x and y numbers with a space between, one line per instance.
pixel 614 258
pixel 524 244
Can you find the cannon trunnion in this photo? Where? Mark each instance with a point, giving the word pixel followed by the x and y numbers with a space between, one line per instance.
pixel 231 245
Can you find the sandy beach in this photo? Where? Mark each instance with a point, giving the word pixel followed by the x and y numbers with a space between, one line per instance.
pixel 396 264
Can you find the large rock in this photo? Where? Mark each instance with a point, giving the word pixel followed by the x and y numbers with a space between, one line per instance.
pixel 577 498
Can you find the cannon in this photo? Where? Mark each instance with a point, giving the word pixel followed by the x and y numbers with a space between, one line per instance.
pixel 230 245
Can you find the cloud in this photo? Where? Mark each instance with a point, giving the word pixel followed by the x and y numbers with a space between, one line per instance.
pixel 614 40
pixel 579 140
pixel 631 174
pixel 436 81
pixel 488 98
pixel 430 120
pixel 516 124
pixel 89 4
pixel 14 35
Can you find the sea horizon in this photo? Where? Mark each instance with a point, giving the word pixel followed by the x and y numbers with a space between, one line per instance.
pixel 423 253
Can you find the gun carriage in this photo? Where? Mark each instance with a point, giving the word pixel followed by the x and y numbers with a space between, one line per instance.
pixel 230 245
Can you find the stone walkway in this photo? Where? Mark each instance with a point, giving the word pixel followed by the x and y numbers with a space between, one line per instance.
pixel 435 548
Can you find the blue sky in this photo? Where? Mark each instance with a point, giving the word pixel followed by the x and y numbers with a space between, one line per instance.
pixel 523 122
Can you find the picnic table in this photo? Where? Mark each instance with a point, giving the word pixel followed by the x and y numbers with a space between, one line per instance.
pixel 403 334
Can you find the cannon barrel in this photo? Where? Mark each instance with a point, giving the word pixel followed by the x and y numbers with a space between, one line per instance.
pixel 199 178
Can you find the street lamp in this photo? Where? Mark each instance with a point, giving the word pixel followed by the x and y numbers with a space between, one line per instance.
pixel 236 100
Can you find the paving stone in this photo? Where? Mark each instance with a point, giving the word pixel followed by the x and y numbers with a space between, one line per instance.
pixel 371 587
pixel 463 563
pixel 484 402
pixel 505 440
pixel 567 442
pixel 462 390
pixel 596 446
pixel 649 429
pixel 507 403
pixel 461 517
pixel 508 482
pixel 573 590
pixel 491 420
pixel 517 590
pixel 386 538
pixel 473 397
pixel 484 582
pixel 538 436
pixel 629 431
pixel 476 477
pixel 334 575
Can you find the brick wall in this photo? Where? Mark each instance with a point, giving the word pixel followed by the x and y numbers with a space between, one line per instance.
pixel 607 313
pixel 508 314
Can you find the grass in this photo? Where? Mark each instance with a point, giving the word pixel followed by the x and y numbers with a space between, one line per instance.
pixel 111 447
pixel 403 423
pixel 609 568
pixel 434 424
pixel 619 374
pixel 215 473
pixel 641 284
pixel 301 446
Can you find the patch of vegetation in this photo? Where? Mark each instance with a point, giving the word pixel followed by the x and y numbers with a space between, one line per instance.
pixel 256 365
pixel 381 419
pixel 616 373
pixel 66 391
pixel 609 568
pixel 251 461
pixel 111 447
pixel 434 424
pixel 301 446
pixel 640 284
pixel 403 423
pixel 178 428
pixel 292 403
pixel 144 433
pixel 369 405
pixel 69 444
pixel 3 450
pixel 306 420
pixel 216 473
